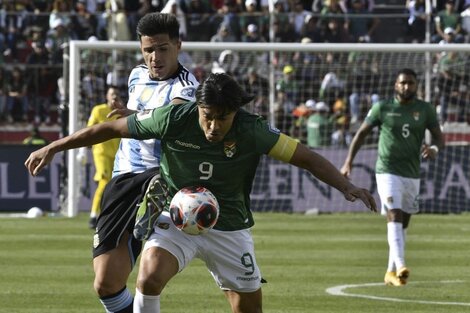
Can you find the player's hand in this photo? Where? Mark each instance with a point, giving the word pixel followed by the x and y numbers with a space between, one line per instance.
pixel 353 192
pixel 39 159
pixel 119 109
pixel 429 152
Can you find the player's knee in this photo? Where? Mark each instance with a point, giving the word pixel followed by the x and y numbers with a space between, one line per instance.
pixel 150 285
pixel 104 287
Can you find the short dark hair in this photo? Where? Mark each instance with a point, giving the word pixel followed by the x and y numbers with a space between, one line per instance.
pixel 152 24
pixel 221 91
pixel 407 71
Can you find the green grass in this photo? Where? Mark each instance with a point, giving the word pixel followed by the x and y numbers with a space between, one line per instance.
pixel 45 266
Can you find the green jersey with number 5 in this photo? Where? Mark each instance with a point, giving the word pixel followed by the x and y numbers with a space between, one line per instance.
pixel 226 168
pixel 402 129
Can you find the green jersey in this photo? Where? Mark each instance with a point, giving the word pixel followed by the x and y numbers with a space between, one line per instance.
pixel 402 129
pixel 226 168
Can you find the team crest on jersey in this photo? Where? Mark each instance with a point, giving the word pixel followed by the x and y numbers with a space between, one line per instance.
pixel 188 92
pixel 230 148
pixel 416 116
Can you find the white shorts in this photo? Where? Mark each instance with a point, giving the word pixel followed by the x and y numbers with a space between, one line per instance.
pixel 229 255
pixel 397 192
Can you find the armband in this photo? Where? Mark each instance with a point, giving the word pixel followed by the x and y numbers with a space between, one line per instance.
pixel 284 148
pixel 434 148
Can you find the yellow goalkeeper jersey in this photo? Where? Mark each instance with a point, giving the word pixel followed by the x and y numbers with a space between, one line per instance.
pixel 97 116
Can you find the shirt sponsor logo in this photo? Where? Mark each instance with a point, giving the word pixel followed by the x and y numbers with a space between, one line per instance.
pixel 187 145
pixel 188 92
pixel 230 148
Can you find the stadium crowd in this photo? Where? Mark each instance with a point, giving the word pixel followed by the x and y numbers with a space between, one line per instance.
pixel 34 34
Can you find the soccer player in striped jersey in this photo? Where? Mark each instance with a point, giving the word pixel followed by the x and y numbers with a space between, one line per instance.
pixel 403 121
pixel 216 144
pixel 161 81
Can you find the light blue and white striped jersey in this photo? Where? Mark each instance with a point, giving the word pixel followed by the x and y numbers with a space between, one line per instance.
pixel 145 93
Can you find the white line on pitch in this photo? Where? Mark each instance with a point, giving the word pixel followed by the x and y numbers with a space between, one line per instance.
pixel 340 291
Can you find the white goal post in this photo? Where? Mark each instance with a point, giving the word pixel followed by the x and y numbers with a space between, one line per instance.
pixel 271 67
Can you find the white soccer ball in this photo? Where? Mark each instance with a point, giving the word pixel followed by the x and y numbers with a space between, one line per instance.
pixel 34 212
pixel 194 210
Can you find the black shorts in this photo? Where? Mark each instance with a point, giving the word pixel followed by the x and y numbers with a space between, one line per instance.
pixel 119 206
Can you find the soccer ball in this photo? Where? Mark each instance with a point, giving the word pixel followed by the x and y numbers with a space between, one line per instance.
pixel 194 210
pixel 34 212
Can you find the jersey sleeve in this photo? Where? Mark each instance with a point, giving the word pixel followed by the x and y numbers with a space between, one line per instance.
pixel 149 124
pixel 185 89
pixel 265 136
pixel 93 119
pixel 373 116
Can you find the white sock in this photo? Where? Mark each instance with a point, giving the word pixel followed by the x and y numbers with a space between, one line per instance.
pixel 396 245
pixel 146 304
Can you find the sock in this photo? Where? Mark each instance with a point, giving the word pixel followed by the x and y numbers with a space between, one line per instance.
pixel 396 245
pixel 120 302
pixel 146 304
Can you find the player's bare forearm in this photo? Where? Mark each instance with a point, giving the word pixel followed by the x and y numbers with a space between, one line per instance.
pixel 325 171
pixel 356 144
pixel 82 138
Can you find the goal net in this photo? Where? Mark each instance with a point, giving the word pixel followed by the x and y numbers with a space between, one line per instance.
pixel 316 93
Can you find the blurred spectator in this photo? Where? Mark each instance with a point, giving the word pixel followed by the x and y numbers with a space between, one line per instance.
pixel 252 34
pixel 57 39
pixel 173 7
pixel 258 87
pixel 131 9
pixel 92 92
pixel 334 33
pixel 452 84
pixel 359 24
pixel 117 23
pixel 363 84
pixel 39 55
pixel 228 62
pixel 255 17
pixel 333 10
pixel 223 34
pixel 341 136
pixel 287 98
pixel 12 23
pixel 42 90
pixel 297 18
pixel 118 78
pixel 61 11
pixel 230 12
pixel 197 16
pixel 417 20
pixel 465 15
pixel 35 137
pixel 319 126
pixel 310 29
pixel 84 23
pixel 448 18
pixel 17 97
pixel 283 29
pixel 449 36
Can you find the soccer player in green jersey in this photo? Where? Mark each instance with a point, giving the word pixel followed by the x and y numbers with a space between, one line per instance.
pixel 216 144
pixel 403 121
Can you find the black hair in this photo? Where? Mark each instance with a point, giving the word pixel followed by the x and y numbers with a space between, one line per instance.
pixel 152 24
pixel 222 92
pixel 407 71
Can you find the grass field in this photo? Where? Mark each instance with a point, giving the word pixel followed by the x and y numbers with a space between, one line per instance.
pixel 46 266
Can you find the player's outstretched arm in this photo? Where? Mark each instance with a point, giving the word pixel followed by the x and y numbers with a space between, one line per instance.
pixel 324 170
pixel 355 145
pixel 82 138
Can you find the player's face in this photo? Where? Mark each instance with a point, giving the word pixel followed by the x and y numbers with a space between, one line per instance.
pixel 215 124
pixel 160 55
pixel 405 87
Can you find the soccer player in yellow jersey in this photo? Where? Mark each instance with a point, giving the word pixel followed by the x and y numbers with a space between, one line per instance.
pixel 103 153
